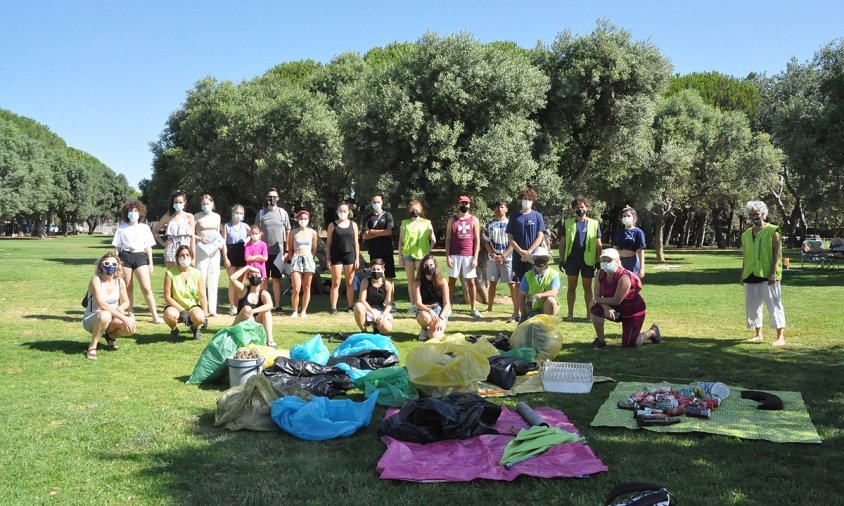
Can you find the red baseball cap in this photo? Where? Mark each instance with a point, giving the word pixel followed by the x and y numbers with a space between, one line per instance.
pixel 464 198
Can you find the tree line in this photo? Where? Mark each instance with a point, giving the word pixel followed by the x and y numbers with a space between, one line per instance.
pixel 42 178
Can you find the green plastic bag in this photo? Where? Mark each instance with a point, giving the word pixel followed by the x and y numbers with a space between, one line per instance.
pixel 211 365
pixel 528 354
pixel 439 369
pixel 392 384
pixel 542 333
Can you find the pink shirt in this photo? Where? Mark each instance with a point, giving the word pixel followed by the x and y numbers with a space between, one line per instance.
pixel 463 236
pixel 254 249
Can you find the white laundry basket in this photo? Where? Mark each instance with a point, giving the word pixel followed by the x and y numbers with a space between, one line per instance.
pixel 567 377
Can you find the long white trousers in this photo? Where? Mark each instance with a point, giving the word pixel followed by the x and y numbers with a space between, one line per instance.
pixel 209 266
pixel 755 294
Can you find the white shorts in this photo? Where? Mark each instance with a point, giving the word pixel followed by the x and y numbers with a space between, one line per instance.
pixel 503 272
pixel 462 267
pixel 375 313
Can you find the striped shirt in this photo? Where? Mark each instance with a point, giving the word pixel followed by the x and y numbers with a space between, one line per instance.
pixel 495 233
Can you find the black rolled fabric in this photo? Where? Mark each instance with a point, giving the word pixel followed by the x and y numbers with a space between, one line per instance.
pixel 456 416
pixel 767 401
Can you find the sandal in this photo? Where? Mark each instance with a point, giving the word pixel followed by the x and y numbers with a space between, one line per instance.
pixel 598 344
pixel 272 344
pixel 657 337
pixel 91 354
pixel 157 320
pixel 111 344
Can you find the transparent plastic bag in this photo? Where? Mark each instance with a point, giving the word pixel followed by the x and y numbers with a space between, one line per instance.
pixel 542 333
pixel 440 368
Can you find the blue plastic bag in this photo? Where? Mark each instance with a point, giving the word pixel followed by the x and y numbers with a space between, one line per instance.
pixel 363 342
pixel 321 418
pixel 313 350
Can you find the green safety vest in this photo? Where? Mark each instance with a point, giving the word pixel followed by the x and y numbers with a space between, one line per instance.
pixel 591 240
pixel 535 286
pixel 186 293
pixel 415 238
pixel 759 252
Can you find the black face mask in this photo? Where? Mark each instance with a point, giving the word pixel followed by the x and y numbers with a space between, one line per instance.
pixel 254 280
pixel 429 270
pixel 757 220
pixel 463 208
pixel 414 213
pixel 377 274
pixel 580 212
pixel 540 263
pixel 272 200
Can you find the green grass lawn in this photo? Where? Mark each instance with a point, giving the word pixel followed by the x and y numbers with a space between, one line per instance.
pixel 127 429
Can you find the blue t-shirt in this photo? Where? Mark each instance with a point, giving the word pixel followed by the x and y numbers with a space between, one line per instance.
pixel 523 286
pixel 525 227
pixel 579 244
pixel 495 233
pixel 633 239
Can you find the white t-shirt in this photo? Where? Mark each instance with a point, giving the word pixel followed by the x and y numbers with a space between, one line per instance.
pixel 136 238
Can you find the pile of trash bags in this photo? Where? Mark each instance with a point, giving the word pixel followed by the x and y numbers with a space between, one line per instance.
pixel 211 365
pixel 248 406
pixel 450 365
pixel 456 416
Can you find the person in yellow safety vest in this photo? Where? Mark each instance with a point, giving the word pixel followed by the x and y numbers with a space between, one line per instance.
pixel 761 272
pixel 580 248
pixel 539 286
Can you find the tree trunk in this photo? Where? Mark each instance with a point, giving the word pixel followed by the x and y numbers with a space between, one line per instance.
pixel 718 227
pixel 91 226
pixel 667 239
pixel 482 279
pixel 701 233
pixel 684 234
pixel 659 226
pixel 41 227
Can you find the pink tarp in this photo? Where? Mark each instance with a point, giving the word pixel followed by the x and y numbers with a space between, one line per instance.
pixel 477 457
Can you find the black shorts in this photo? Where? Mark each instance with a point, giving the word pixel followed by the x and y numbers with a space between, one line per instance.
pixel 236 254
pixel 576 266
pixel 344 259
pixel 389 262
pixel 133 260
pixel 271 268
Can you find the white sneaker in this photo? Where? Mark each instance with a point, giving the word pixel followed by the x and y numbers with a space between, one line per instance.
pixel 412 309
pixel 475 313
pixel 304 314
pixel 232 311
pixel 423 334
pixel 294 315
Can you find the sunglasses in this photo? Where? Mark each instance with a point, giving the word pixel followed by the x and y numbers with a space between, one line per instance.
pixel 109 264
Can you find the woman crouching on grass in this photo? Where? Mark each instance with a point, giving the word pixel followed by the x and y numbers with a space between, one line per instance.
pixel 376 300
pixel 184 292
pixel 618 300
pixel 106 304
pixel 253 301
pixel 432 302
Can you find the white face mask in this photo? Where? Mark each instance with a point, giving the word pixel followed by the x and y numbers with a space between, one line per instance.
pixel 184 262
pixel 303 223
pixel 237 217
pixel 343 215
pixel 527 204
pixel 133 216
pixel 608 267
pixel 256 237
pixel 627 220
pixel 206 208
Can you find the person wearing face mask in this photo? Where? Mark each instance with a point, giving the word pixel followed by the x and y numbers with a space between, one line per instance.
pixel 209 244
pixel 416 238
pixel 134 240
pixel 105 305
pixel 580 247
pixel 255 251
pixel 375 303
pixel 431 295
pixel 761 272
pixel 619 300
pixel 235 235
pixel 500 258
pixel 462 247
pixel 378 236
pixel 630 242
pixel 179 229
pixel 184 291
pixel 343 252
pixel 275 225
pixel 525 231
pixel 301 251
pixel 253 301
pixel 539 286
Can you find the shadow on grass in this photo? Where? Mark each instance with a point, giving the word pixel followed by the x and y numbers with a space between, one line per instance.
pixel 689 277
pixel 63 345
pixel 73 261
pixel 70 319
pixel 220 385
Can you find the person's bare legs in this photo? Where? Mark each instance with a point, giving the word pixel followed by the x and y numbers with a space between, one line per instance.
pixel 587 292
pixel 514 295
pixel 277 291
pixel 571 295
pixel 549 307
pixel 643 336
pixel 780 337
pixel 306 291
pixel 452 283
pixel 469 285
pixel 266 319
pixel 232 295
pixel 334 293
pixel 598 323
pixel 410 270
pixel 360 315
pixel 385 327
pixel 171 317
pixel 142 273
pixel 296 283
pixel 99 325
pixel 490 295
pixel 349 271
pixel 758 338
pixel 130 287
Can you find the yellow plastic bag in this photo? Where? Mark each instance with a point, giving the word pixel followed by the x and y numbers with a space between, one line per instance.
pixel 440 368
pixel 482 346
pixel 543 333
pixel 269 354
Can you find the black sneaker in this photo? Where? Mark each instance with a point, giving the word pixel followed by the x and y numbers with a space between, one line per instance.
pixel 197 333
pixel 350 310
pixel 279 310
pixel 598 344
pixel 205 324
pixel 333 311
pixel 174 336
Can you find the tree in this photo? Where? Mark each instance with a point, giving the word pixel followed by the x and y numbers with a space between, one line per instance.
pixel 725 92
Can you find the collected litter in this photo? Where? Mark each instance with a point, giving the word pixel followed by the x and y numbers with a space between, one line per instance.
pixel 321 418
pixel 441 368
pixel 456 416
pixel 665 405
pixel 392 384
pixel 321 380
pixel 543 333
pixel 248 406
pixel 211 365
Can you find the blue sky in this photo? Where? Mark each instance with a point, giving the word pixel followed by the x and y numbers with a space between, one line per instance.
pixel 105 75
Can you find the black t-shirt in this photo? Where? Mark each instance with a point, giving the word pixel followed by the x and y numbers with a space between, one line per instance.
pixel 381 221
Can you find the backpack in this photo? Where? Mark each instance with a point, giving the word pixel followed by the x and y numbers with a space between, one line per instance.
pixel 639 494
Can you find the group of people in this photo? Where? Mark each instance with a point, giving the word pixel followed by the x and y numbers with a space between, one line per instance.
pixel 516 246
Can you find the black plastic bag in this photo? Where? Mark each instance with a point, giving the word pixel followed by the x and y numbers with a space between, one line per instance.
pixel 321 380
pixel 367 359
pixel 501 341
pixel 456 416
pixel 503 370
